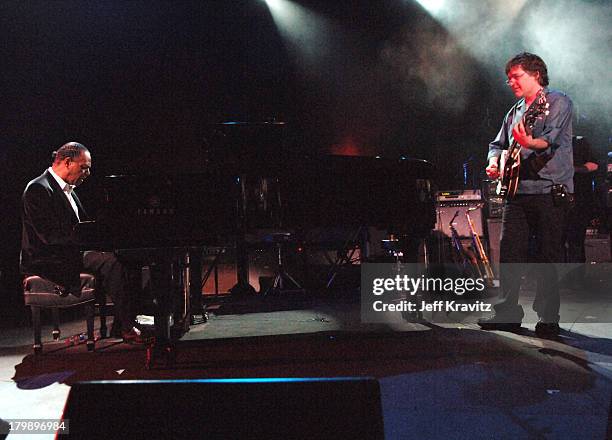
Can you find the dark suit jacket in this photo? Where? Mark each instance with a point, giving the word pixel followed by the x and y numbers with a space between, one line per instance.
pixel 49 246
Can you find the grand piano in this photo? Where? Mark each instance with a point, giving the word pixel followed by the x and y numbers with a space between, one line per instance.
pixel 160 223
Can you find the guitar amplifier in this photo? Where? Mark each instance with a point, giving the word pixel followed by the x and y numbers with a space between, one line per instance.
pixel 597 248
pixel 494 203
pixel 459 202
pixel 458 195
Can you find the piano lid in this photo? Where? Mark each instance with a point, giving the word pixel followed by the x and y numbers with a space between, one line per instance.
pixel 253 124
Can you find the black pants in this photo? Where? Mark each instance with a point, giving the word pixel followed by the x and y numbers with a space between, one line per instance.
pixel 111 279
pixel 528 217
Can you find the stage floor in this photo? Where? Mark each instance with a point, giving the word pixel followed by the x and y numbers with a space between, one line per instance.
pixel 438 380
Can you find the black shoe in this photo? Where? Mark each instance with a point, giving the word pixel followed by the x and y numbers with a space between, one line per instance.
pixel 547 329
pixel 496 323
pixel 65 291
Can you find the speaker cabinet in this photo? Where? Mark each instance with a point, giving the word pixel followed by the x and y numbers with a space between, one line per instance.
pixel 338 408
pixel 447 210
pixel 494 234
pixel 597 248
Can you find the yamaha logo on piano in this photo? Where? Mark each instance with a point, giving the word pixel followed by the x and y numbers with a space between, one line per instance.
pixel 154 207
pixel 155 211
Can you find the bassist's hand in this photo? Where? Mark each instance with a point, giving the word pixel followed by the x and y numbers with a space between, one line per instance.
pixel 493 171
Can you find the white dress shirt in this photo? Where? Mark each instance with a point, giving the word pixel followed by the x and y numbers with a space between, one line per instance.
pixel 67 188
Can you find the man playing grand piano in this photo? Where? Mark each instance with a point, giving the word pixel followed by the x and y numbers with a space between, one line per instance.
pixel 49 246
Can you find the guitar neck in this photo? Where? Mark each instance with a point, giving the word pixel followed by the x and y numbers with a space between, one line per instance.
pixel 514 149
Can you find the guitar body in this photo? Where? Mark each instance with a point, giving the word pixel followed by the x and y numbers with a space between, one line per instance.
pixel 510 160
pixel 510 164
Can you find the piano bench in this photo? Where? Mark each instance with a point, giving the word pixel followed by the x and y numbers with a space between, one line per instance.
pixel 40 293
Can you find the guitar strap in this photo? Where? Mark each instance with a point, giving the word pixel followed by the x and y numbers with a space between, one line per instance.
pixel 532 165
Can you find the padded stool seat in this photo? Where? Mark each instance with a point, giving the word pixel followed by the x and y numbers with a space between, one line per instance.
pixel 41 293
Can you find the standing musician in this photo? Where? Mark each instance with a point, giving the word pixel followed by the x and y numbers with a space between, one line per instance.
pixel 539 206
pixel 49 246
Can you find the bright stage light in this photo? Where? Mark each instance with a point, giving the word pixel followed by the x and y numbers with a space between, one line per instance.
pixel 479 27
pixel 307 34
pixel 274 4
pixel 432 6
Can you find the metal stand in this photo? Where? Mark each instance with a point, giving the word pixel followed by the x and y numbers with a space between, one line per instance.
pixel 282 279
pixel 396 249
pixel 345 255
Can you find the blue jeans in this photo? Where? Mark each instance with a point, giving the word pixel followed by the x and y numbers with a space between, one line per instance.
pixel 527 218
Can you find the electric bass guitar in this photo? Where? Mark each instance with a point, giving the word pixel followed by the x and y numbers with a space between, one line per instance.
pixel 510 161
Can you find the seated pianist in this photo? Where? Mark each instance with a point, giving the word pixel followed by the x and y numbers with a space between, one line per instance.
pixel 49 247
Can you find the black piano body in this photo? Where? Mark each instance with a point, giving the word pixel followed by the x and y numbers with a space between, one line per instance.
pixel 159 223
pixel 210 207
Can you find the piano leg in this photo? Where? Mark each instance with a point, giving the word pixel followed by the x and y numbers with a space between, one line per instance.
pixel 165 281
pixel 194 281
pixel 196 309
pixel 162 282
pixel 242 287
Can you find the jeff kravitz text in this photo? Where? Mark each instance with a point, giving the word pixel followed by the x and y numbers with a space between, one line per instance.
pixel 404 285
pixel 433 306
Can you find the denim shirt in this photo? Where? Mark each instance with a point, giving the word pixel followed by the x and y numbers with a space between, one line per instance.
pixel 556 129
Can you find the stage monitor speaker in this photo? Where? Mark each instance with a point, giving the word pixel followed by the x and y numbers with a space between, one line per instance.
pixel 446 211
pixel 316 408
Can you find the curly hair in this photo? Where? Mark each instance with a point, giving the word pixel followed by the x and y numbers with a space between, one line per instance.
pixel 70 149
pixel 532 64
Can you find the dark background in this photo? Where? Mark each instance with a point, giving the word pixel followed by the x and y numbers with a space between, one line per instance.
pixel 144 83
